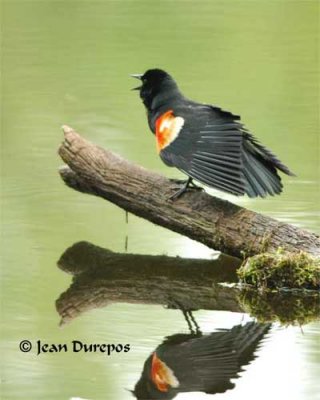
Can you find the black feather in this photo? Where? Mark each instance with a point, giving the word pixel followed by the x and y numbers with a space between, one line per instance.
pixel 213 146
pixel 203 363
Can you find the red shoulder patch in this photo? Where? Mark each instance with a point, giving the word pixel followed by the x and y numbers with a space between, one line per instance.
pixel 167 129
pixel 162 376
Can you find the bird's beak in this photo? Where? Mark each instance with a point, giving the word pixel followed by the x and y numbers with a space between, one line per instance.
pixel 137 76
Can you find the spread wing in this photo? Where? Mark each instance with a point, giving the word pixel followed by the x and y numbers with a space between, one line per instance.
pixel 208 363
pixel 213 147
pixel 203 363
pixel 208 147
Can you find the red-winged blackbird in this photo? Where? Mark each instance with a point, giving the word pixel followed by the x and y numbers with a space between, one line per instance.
pixel 199 363
pixel 207 143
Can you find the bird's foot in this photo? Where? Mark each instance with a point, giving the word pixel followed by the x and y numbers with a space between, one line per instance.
pixel 186 185
pixel 196 187
pixel 177 181
pixel 178 193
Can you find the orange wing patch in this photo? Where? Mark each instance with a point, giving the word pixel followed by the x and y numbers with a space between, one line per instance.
pixel 167 129
pixel 161 375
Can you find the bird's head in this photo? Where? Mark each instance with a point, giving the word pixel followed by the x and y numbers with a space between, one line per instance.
pixel 157 86
pixel 157 381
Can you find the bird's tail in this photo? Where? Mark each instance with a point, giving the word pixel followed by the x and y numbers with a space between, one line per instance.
pixel 260 167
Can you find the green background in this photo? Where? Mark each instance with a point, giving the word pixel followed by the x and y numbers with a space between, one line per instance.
pixel 68 62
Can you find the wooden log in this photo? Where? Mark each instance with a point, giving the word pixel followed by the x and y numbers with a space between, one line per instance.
pixel 216 223
pixel 102 277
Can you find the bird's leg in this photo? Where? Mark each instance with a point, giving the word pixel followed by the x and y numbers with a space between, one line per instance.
pixel 188 184
pixel 194 329
pixel 188 316
pixel 192 318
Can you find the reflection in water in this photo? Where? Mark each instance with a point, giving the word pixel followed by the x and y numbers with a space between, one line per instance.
pixel 183 362
pixel 199 363
pixel 287 307
pixel 68 62
pixel 102 277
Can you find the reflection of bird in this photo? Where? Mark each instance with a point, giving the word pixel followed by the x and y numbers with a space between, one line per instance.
pixel 207 143
pixel 199 363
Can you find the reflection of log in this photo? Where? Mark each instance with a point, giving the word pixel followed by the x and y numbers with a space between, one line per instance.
pixel 102 277
pixel 216 223
pixel 287 307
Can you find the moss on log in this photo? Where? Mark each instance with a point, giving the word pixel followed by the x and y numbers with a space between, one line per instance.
pixel 281 269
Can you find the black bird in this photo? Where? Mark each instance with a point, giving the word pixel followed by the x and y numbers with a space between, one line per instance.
pixel 207 143
pixel 199 363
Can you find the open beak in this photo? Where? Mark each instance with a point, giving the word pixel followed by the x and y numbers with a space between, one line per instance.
pixel 137 76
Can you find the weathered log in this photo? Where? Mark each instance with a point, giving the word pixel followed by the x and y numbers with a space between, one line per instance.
pixel 216 223
pixel 102 277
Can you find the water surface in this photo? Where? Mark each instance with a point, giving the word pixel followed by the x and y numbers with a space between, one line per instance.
pixel 67 62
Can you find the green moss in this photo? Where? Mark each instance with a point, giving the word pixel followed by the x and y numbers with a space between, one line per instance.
pixel 288 308
pixel 281 269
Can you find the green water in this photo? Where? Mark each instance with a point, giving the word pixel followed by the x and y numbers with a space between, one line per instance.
pixel 68 62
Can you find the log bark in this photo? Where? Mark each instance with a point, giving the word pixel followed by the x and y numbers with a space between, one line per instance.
pixel 216 223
